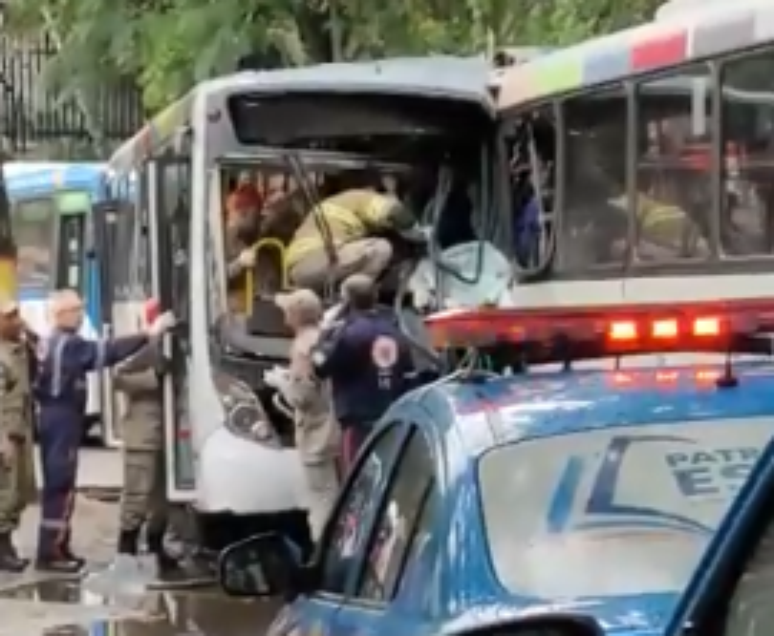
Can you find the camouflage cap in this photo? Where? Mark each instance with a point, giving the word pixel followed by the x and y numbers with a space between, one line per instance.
pixel 303 304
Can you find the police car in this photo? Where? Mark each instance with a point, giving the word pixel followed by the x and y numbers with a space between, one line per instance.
pixel 572 502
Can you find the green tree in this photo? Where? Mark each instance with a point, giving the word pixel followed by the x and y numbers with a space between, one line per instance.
pixel 167 45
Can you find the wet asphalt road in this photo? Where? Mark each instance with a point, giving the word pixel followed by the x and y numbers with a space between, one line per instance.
pixel 32 605
pixel 64 608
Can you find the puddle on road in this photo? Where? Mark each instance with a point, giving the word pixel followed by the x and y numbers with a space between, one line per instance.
pixel 200 613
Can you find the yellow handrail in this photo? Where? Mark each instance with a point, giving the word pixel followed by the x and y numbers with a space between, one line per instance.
pixel 277 245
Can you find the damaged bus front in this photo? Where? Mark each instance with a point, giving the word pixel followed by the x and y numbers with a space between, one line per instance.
pixel 278 144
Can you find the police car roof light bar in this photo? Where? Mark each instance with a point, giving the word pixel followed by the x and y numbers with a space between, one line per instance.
pixel 608 330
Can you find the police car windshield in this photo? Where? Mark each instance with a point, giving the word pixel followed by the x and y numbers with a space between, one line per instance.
pixel 614 511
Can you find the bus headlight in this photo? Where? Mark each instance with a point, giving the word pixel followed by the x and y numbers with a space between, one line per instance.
pixel 245 415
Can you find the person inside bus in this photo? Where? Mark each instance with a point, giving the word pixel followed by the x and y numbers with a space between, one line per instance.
pixel 351 231
pixel 598 216
pixel 243 225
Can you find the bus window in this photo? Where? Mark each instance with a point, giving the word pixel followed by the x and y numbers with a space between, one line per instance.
pixel 33 226
pixel 673 179
pixel 747 196
pixel 595 218
pixel 124 267
pixel 531 159
pixel 70 252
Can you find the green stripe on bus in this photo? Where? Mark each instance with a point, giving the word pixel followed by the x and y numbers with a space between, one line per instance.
pixel 73 202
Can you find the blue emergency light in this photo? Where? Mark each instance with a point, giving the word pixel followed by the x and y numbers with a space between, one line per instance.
pixel 549 334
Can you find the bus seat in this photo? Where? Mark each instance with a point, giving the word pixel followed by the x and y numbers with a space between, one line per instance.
pixel 269 277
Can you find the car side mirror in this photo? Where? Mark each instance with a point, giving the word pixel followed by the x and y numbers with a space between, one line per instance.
pixel 261 566
pixel 555 624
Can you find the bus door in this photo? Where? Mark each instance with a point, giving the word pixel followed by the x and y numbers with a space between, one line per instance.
pixel 70 241
pixel 103 252
pixel 165 191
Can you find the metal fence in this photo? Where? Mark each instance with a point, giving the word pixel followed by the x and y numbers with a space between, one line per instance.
pixel 31 114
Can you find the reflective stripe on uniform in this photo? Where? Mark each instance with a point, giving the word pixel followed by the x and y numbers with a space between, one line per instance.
pixel 101 354
pixel 58 362
pixel 55 524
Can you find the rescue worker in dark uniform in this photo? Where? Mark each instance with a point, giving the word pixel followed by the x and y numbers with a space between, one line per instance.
pixel 368 361
pixel 17 469
pixel 64 359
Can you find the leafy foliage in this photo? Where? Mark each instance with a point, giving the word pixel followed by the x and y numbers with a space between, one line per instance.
pixel 167 45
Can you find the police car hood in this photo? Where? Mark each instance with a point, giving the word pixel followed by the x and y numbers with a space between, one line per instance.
pixel 634 615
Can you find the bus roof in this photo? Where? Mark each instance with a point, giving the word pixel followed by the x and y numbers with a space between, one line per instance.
pixel 673 40
pixel 32 179
pixel 444 77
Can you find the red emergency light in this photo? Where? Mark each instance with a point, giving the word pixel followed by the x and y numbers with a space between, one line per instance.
pixel 609 330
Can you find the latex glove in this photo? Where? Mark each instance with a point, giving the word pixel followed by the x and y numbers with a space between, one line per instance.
pixel 246 258
pixel 332 316
pixel 277 378
pixel 162 324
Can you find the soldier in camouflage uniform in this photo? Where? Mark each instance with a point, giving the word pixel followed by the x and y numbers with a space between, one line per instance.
pixel 17 471
pixel 143 499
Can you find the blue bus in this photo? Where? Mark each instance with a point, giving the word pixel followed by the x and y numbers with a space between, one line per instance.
pixel 50 210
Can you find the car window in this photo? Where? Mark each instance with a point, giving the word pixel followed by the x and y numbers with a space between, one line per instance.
pixel 396 525
pixel 750 611
pixel 33 227
pixel 416 575
pixel 346 535
pixel 649 497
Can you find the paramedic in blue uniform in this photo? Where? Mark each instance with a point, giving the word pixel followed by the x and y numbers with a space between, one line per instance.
pixel 64 359
pixel 368 361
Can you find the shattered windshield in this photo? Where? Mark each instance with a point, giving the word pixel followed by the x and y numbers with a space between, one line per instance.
pixel 321 209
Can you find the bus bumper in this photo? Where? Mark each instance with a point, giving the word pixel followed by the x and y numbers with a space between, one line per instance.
pixel 243 477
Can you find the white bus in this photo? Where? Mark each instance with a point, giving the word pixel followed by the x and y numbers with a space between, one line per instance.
pixel 656 148
pixel 424 126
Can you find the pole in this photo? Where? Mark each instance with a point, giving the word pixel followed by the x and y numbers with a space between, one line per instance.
pixel 8 271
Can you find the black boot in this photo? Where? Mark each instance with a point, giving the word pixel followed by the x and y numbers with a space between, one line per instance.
pixel 172 572
pixel 10 561
pixel 127 542
pixel 60 560
pixel 62 563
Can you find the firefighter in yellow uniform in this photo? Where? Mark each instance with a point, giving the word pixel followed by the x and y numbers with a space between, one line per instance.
pixel 665 232
pixel 17 471
pixel 344 235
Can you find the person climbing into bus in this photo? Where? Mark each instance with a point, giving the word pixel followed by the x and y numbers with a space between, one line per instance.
pixel 243 225
pixel 64 359
pixel 368 360
pixel 348 231
pixel 317 432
